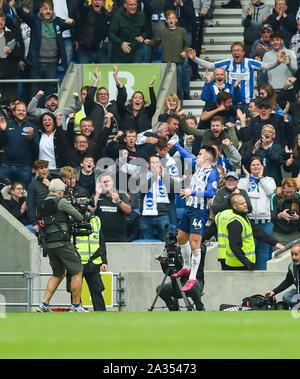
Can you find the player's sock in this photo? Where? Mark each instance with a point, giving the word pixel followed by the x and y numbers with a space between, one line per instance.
pixel 186 255
pixel 196 256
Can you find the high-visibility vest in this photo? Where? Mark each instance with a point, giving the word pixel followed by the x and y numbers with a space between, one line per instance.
pixel 221 241
pixel 88 245
pixel 248 246
pixel 78 117
pixel 108 3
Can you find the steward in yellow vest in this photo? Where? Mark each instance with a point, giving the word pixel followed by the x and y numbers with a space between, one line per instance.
pixel 92 251
pixel 236 236
pixel 89 247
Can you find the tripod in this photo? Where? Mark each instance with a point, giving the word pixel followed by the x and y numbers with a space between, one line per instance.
pixel 169 272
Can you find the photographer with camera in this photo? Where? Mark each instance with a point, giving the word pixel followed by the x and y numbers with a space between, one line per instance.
pixel 90 244
pixel 56 212
pixel 285 212
pixel 172 262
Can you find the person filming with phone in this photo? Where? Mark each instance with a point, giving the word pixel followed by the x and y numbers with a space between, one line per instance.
pixel 285 211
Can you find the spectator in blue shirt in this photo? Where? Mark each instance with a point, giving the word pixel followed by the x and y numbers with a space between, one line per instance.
pixel 21 143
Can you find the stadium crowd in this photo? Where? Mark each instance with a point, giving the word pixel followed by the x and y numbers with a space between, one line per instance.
pixel 109 150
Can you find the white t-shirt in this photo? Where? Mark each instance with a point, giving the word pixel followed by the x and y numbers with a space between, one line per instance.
pixel 47 150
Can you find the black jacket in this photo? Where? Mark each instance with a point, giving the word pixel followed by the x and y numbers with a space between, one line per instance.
pixel 277 206
pixel 293 6
pixel 92 27
pixel 222 200
pixel 96 112
pixel 143 120
pixel 61 147
pixel 287 26
pixel 13 206
pixel 95 149
pixel 282 129
pixel 37 192
pixel 9 65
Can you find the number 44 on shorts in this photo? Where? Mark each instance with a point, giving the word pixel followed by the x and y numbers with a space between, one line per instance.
pixel 197 224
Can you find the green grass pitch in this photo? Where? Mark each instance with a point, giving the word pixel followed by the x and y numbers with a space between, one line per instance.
pixel 150 335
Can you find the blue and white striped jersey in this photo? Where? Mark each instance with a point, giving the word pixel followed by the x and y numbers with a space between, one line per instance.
pixel 244 71
pixel 204 181
pixel 204 184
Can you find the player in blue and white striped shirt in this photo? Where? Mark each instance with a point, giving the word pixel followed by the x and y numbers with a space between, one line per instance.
pixel 239 67
pixel 203 186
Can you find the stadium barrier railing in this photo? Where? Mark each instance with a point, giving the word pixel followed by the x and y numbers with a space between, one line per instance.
pixel 119 290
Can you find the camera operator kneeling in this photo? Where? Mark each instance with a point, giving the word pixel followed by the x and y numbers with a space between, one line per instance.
pixel 62 253
pixel 170 293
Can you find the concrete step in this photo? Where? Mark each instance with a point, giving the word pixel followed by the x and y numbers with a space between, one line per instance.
pixel 227 21
pixel 193 103
pixel 224 13
pixel 223 30
pixel 216 48
pixel 217 39
pixel 214 57
pixel 197 84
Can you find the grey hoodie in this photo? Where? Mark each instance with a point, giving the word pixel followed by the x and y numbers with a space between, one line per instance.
pixel 253 24
pixel 48 49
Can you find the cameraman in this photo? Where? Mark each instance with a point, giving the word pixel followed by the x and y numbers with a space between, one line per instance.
pixel 170 293
pixel 92 251
pixel 62 253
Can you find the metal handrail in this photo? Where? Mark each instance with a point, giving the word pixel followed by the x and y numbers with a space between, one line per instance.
pixel 29 80
pixel 277 253
pixel 29 276
pixel 56 80
pixel 163 79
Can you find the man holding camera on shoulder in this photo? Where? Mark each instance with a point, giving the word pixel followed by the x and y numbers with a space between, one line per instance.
pixel 62 253
pixel 170 292
pixel 91 247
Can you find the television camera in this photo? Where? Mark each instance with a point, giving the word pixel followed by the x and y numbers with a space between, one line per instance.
pixel 81 204
pixel 169 255
pixel 169 252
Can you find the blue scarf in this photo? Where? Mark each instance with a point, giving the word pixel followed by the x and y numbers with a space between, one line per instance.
pixel 254 184
pixel 157 194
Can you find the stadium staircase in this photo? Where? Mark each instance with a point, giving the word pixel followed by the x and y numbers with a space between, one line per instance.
pixel 226 28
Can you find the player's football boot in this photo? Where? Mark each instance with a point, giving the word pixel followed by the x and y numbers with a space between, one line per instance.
pixel 181 272
pixel 188 285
